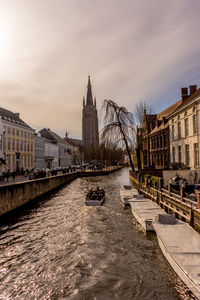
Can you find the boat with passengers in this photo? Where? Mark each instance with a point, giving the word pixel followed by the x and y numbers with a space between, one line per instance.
pixel 95 197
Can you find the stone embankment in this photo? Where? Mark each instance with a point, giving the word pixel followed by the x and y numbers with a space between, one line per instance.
pixel 15 195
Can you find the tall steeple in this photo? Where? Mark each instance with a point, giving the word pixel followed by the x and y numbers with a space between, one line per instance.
pixel 90 128
pixel 89 99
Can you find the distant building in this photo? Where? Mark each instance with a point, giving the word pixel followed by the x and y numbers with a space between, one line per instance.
pixel 39 150
pixel 184 124
pixel 2 160
pixel 18 141
pixel 159 147
pixel 51 154
pixel 65 157
pixel 143 154
pixel 90 131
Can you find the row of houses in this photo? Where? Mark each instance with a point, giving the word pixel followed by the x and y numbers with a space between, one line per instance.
pixel 22 148
pixel 171 139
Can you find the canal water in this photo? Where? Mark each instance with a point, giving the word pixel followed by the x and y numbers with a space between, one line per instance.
pixel 58 248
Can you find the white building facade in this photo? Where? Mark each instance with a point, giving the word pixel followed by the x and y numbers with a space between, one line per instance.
pixel 51 155
pixel 184 126
pixel 39 150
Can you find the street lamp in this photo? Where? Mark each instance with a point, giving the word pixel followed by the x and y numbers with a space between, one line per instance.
pixel 169 186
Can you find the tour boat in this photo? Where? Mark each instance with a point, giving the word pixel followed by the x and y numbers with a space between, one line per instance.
pixel 90 202
pixel 95 197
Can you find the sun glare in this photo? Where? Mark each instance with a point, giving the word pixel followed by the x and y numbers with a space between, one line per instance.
pixel 7 38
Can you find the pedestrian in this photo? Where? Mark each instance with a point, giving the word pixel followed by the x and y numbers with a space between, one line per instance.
pixel 13 175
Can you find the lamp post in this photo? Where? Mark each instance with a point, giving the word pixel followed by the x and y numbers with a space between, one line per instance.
pixel 169 186
pixel 182 185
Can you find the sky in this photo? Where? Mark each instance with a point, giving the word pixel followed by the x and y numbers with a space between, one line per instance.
pixel 134 50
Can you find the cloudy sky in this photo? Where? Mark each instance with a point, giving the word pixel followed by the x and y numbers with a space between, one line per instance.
pixel 134 50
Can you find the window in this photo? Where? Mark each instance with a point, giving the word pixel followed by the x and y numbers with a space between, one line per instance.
pixel 13 144
pixel 21 133
pixel 196 155
pixel 8 143
pixel 179 130
pixel 8 130
pixel 172 132
pixel 25 134
pixel 187 155
pixel 158 159
pixel 165 159
pixel 186 127
pixel 158 142
pixel 194 124
pixel 13 131
pixel 13 161
pixel 165 140
pixel 21 148
pixel 161 141
pixel 24 145
pixel 161 159
pixel 17 132
pixel 179 155
pixel 17 145
pixel 173 155
pixel 8 161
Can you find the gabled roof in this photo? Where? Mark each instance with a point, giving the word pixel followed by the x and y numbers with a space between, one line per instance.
pixel 160 128
pixel 75 142
pixel 188 100
pixel 165 114
pixel 169 110
pixel 12 118
pixel 52 136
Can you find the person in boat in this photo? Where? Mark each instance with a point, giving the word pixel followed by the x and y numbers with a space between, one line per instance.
pixel 96 194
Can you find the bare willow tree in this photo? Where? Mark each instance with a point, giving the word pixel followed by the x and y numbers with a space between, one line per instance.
pixel 119 127
pixel 139 112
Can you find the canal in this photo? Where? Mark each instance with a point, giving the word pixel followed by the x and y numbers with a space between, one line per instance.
pixel 58 248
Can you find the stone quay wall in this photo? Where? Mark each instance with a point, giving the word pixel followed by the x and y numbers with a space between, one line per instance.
pixel 15 195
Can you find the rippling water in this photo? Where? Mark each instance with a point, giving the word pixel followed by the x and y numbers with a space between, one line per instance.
pixel 60 249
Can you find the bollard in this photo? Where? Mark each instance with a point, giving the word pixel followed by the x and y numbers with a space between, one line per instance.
pixel 181 192
pixel 146 182
pixel 192 216
pixel 169 189
pixel 198 200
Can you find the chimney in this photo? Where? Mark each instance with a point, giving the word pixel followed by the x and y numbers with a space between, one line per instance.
pixel 163 120
pixel 158 123
pixel 17 114
pixel 184 94
pixel 193 89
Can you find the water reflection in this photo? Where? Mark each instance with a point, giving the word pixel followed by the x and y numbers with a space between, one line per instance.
pixel 61 249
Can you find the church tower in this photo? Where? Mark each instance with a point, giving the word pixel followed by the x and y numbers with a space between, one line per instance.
pixel 90 131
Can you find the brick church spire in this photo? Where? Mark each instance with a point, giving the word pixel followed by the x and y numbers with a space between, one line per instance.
pixel 89 99
pixel 90 127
